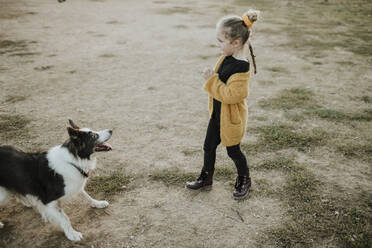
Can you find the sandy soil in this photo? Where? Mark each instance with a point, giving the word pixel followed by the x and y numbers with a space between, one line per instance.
pixel 133 66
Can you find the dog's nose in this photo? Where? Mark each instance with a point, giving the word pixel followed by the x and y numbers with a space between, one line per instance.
pixel 110 131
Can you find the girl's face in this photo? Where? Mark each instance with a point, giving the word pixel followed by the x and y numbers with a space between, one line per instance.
pixel 227 47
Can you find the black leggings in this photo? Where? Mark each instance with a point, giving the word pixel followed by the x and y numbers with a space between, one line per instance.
pixel 212 140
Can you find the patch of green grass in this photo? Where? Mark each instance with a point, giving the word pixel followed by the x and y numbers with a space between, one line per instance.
pixel 366 115
pixel 330 114
pixel 109 185
pixel 259 118
pixel 278 163
pixel 359 151
pixel 291 99
pixel 13 126
pixel 173 177
pixel 282 136
pixel 346 63
pixel 317 217
pixel 334 115
pixel 224 173
pixel 296 117
pixel 309 27
pixel 262 187
pixel 177 177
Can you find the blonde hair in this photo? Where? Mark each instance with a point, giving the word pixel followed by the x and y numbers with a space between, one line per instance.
pixel 239 28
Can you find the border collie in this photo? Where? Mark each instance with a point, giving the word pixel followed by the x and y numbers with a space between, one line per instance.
pixel 44 180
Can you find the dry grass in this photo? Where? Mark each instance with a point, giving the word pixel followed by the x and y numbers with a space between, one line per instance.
pixel 277 163
pixel 13 99
pixel 13 126
pixel 333 115
pixel 172 177
pixel 317 216
pixel 282 136
pixel 108 185
pixel 291 99
pixel 175 177
pixel 333 14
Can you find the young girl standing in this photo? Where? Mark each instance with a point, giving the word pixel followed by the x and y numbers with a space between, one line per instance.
pixel 227 86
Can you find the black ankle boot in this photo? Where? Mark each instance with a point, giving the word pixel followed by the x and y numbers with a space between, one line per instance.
pixel 205 180
pixel 242 185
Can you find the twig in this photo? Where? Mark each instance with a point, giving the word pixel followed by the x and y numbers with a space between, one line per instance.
pixel 253 58
pixel 237 212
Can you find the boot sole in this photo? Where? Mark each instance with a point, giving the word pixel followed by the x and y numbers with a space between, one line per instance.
pixel 241 197
pixel 205 188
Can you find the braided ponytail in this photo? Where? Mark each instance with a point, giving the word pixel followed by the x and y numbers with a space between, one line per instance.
pixel 248 19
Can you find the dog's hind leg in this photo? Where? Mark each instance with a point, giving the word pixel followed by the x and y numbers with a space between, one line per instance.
pixel 57 216
pixel 95 203
pixel 4 198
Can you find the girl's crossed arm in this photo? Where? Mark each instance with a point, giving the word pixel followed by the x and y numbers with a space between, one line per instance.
pixel 236 89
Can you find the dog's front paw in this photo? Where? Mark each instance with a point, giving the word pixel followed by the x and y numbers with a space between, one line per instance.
pixel 100 204
pixel 74 235
pixel 1 224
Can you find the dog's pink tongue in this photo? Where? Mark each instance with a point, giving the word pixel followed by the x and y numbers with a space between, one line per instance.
pixel 107 145
pixel 104 147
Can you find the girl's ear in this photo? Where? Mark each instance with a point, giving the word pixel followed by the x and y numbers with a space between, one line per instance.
pixel 237 43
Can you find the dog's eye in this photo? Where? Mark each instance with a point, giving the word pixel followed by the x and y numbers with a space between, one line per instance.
pixel 91 134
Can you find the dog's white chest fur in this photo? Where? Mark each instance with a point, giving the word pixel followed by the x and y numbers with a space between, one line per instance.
pixel 61 160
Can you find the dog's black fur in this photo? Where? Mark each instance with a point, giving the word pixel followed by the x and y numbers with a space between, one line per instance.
pixel 29 173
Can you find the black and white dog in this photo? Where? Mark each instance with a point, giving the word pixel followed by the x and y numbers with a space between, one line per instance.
pixel 43 180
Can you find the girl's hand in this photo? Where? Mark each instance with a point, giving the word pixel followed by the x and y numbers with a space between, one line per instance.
pixel 207 73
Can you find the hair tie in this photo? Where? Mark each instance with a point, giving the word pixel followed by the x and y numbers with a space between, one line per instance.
pixel 246 21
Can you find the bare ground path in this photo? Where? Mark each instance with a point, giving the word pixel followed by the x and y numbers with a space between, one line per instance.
pixel 134 66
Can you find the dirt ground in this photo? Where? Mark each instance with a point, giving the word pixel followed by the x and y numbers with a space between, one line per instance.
pixel 134 66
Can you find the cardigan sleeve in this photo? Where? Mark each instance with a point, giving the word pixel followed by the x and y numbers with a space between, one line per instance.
pixel 234 91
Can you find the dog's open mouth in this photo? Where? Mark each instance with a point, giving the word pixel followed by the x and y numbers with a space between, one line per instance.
pixel 103 147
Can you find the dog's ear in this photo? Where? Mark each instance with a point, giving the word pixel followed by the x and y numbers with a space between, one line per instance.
pixel 73 124
pixel 73 133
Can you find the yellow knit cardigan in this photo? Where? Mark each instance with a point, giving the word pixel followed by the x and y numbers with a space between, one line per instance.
pixel 234 111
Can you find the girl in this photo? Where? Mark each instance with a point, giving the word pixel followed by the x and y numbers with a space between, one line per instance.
pixel 227 86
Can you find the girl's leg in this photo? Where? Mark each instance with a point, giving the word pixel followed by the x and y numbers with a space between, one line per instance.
pixel 212 140
pixel 239 159
pixel 243 180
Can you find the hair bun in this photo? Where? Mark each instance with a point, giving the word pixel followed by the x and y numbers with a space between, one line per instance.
pixel 250 17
